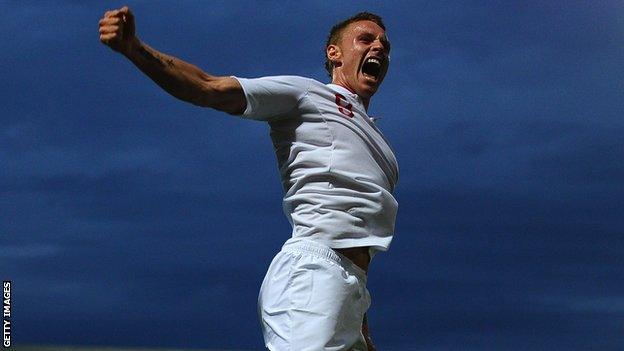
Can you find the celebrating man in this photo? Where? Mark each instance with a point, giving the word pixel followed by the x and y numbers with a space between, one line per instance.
pixel 337 170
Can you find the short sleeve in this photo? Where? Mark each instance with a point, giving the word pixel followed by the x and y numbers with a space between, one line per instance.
pixel 272 97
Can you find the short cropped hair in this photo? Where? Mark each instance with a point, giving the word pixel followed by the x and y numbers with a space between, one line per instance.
pixel 336 33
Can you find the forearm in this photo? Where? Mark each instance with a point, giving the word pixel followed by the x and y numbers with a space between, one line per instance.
pixel 180 79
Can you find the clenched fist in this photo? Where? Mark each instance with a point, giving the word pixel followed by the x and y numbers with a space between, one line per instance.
pixel 117 30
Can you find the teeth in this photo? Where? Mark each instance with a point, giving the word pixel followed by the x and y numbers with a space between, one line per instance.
pixel 371 67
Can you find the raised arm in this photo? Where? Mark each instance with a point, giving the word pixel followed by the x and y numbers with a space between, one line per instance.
pixel 180 79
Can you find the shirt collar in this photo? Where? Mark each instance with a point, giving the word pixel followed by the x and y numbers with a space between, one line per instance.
pixel 344 90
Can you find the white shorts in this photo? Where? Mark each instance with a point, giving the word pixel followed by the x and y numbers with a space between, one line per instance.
pixel 313 298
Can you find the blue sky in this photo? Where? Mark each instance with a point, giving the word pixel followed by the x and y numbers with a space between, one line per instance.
pixel 129 218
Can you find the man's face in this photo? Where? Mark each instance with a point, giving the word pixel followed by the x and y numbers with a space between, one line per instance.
pixel 362 58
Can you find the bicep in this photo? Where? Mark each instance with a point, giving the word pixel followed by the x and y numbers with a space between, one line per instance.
pixel 225 94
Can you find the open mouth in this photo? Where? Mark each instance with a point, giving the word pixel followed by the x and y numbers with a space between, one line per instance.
pixel 372 67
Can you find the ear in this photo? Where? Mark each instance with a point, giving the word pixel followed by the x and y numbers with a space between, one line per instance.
pixel 334 55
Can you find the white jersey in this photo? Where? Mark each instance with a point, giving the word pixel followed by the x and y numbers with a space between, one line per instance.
pixel 337 169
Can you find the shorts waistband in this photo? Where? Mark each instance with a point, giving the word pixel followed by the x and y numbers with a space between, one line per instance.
pixel 326 252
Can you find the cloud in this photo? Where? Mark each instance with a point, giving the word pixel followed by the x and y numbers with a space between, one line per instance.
pixel 28 251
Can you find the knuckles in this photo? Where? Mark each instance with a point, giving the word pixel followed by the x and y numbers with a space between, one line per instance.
pixel 111 26
pixel 110 29
pixel 109 20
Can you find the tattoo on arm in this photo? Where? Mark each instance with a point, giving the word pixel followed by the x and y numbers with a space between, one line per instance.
pixel 156 58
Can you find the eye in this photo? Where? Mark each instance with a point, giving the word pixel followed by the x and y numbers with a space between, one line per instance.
pixel 366 39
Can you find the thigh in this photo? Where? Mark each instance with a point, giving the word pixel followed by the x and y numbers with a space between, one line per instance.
pixel 274 302
pixel 311 303
pixel 327 315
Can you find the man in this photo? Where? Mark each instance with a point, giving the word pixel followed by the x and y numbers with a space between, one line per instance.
pixel 337 170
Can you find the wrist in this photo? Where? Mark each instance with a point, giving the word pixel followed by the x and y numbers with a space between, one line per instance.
pixel 131 48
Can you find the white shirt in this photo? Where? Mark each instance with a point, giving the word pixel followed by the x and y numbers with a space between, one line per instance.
pixel 337 169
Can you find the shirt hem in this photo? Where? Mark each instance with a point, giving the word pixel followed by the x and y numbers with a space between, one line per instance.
pixel 375 243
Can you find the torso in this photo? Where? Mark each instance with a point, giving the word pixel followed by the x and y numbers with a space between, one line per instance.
pixel 358 255
pixel 337 170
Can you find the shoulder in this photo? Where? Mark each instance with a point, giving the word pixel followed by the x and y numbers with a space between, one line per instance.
pixel 271 96
pixel 284 80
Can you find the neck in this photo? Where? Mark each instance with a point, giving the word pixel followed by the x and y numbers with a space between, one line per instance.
pixel 339 80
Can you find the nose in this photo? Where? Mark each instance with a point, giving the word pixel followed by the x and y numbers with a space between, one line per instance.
pixel 378 46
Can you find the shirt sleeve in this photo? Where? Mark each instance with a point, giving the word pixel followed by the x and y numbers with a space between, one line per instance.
pixel 269 98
